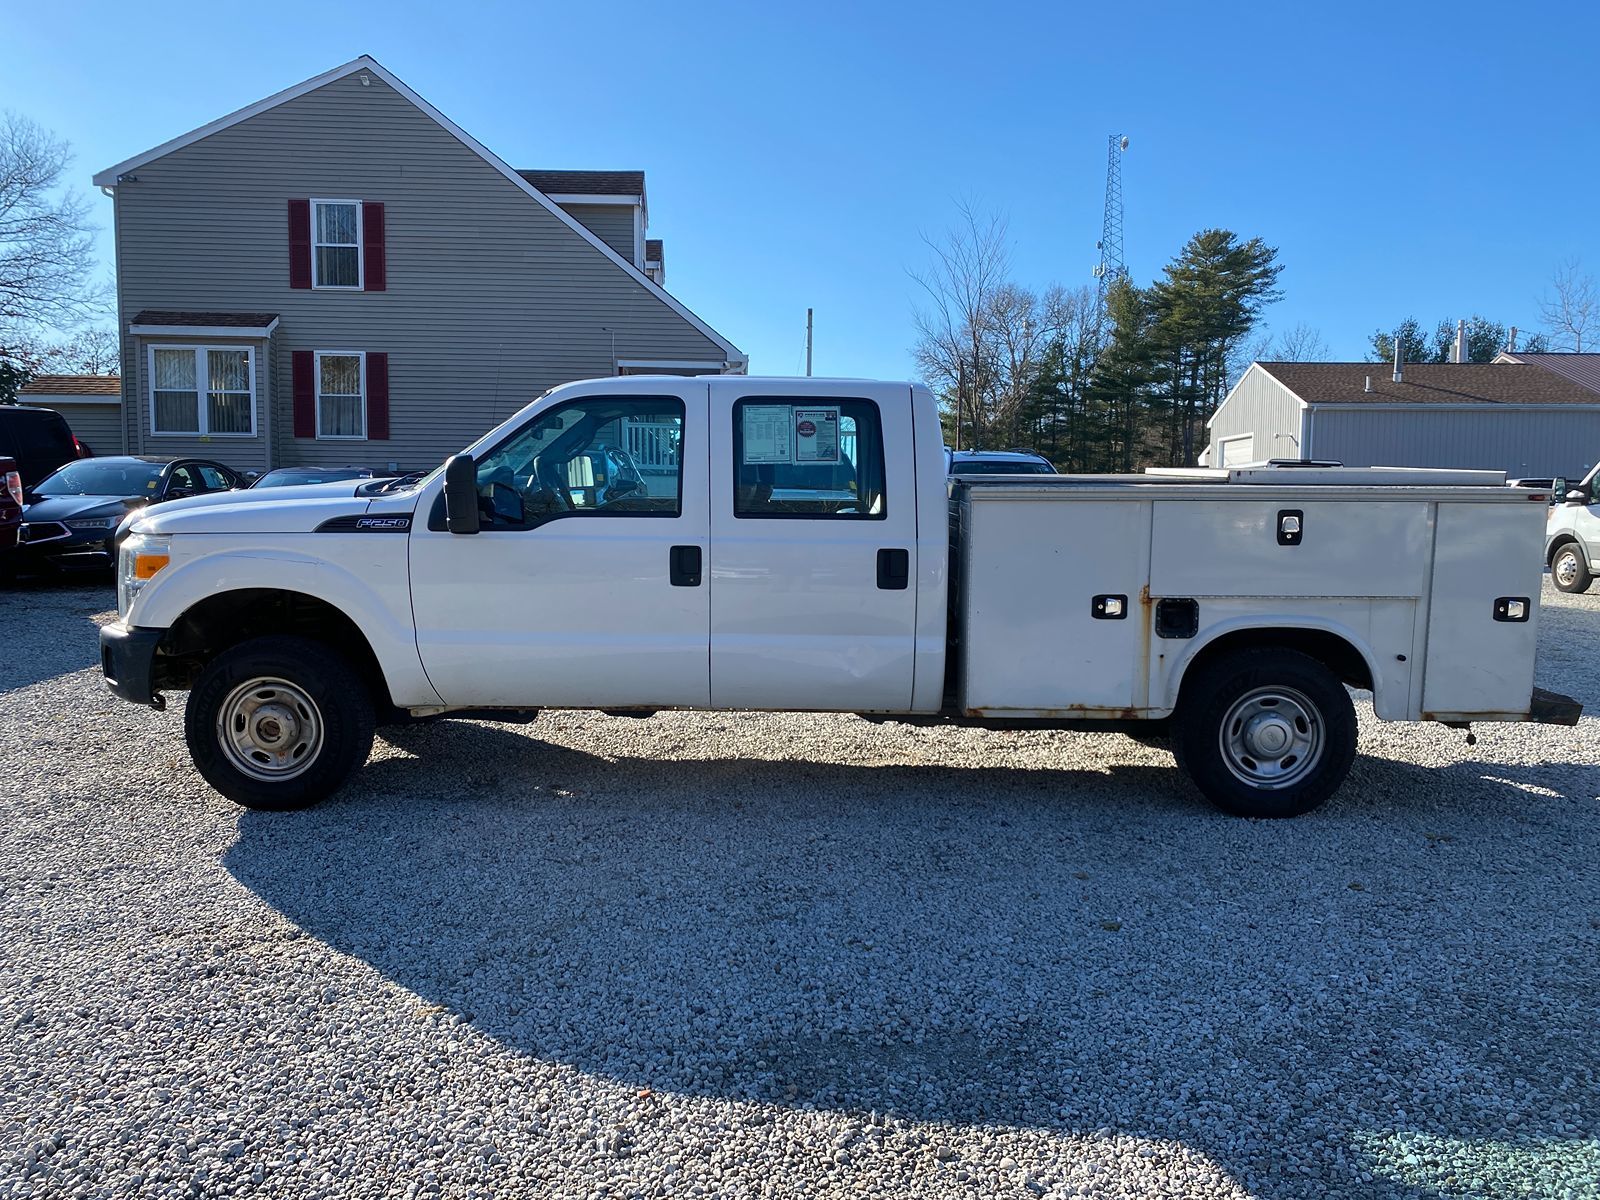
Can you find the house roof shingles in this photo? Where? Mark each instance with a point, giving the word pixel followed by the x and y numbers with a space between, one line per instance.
pixel 73 385
pixel 587 183
pixel 1426 383
pixel 221 320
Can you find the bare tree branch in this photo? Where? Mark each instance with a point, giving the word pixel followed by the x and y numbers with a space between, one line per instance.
pixel 1571 309
pixel 46 241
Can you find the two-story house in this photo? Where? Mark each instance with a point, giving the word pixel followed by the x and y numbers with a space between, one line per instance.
pixel 340 274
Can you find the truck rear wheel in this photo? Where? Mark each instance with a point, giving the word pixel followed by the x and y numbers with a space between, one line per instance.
pixel 1266 733
pixel 1568 570
pixel 277 723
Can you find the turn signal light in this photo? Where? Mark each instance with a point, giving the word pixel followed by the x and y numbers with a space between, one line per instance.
pixel 146 564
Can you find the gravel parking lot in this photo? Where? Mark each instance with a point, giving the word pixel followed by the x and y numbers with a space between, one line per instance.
pixel 789 956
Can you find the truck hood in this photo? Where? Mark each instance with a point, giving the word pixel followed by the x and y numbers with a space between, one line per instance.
pixel 270 510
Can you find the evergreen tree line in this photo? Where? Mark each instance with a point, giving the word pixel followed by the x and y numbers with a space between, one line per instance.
pixel 1113 391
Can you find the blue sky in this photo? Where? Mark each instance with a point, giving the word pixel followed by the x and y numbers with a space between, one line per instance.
pixel 1428 159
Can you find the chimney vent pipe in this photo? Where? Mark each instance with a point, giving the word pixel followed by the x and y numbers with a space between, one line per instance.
pixel 1398 377
pixel 1461 341
pixel 1369 383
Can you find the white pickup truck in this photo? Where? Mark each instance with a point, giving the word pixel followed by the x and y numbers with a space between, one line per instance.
pixel 721 542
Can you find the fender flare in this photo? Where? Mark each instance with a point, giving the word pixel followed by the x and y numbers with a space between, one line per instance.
pixel 1558 540
pixel 181 586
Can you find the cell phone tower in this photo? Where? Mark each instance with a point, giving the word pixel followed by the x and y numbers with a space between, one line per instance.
pixel 1111 265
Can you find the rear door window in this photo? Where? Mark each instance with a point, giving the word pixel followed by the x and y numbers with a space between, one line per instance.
pixel 817 459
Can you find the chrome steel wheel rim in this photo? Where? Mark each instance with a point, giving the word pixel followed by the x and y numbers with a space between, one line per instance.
pixel 1271 737
pixel 270 729
pixel 1566 568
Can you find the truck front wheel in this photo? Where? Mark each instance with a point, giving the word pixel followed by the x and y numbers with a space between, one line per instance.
pixel 1266 733
pixel 278 722
pixel 1568 569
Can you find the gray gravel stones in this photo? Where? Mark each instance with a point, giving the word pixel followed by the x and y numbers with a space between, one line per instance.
pixel 726 955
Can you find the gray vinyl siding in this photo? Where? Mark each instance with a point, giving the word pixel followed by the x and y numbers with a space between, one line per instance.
pixel 97 425
pixel 1520 441
pixel 611 223
pixel 1261 406
pixel 491 298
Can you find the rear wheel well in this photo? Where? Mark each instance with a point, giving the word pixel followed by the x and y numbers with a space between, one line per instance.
pixel 228 618
pixel 1331 650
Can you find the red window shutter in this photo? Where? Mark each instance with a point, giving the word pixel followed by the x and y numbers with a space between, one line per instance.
pixel 304 370
pixel 300 243
pixel 375 268
pixel 378 397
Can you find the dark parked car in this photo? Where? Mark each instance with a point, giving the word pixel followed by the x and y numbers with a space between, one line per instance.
pixel 38 439
pixel 997 462
pixel 298 476
pixel 71 518
pixel 10 514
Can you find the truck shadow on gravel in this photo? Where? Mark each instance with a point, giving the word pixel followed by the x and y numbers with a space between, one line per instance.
pixel 1068 952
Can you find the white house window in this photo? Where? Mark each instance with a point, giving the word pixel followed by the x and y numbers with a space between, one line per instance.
pixel 202 391
pixel 341 395
pixel 336 243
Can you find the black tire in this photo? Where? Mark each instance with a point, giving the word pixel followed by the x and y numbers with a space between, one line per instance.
pixel 1568 564
pixel 1225 716
pixel 305 688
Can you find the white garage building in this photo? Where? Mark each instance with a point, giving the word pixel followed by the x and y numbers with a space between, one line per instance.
pixel 1507 416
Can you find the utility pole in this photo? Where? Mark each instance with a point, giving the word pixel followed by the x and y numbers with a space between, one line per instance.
pixel 808 343
pixel 961 393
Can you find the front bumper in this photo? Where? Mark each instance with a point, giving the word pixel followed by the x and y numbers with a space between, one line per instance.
pixel 127 656
pixel 76 550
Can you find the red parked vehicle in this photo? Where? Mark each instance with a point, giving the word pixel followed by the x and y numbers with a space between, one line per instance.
pixel 10 514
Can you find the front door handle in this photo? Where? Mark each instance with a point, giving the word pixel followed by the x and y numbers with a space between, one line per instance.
pixel 894 570
pixel 684 566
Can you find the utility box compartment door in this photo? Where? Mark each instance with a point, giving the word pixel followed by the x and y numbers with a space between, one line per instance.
pixel 1336 548
pixel 1476 664
pixel 1031 639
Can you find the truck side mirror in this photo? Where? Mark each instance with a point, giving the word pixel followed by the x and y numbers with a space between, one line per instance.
pixel 461 494
pixel 1577 496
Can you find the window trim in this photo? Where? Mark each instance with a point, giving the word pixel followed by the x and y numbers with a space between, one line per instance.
pixel 436 519
pixel 316 393
pixel 360 248
pixel 201 375
pixel 736 439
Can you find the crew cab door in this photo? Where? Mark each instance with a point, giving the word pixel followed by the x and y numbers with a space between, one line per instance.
pixel 585 586
pixel 813 547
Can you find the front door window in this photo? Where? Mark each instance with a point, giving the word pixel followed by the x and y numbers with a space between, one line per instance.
pixel 601 457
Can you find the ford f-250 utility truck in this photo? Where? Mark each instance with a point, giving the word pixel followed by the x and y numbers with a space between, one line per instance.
pixel 728 542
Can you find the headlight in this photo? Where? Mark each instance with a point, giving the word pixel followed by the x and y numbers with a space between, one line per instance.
pixel 142 556
pixel 92 523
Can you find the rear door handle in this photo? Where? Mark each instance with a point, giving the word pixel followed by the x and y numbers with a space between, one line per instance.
pixel 684 566
pixel 894 570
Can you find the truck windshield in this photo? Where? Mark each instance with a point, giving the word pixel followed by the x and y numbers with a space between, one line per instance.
pixel 102 477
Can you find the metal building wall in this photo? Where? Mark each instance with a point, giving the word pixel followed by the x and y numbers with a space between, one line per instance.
pixel 1521 441
pixel 1261 406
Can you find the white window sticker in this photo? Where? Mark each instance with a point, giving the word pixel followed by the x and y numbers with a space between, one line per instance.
pixel 816 435
pixel 768 433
